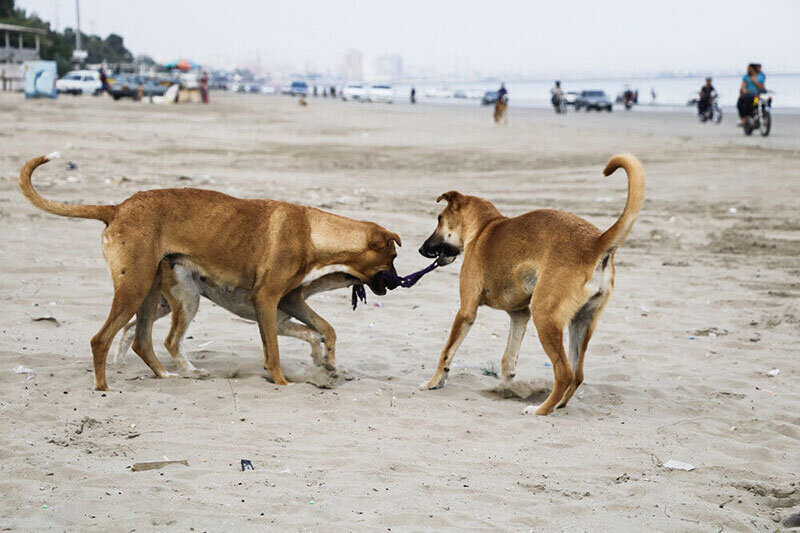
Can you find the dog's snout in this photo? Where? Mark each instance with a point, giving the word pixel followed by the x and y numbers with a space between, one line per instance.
pixel 428 250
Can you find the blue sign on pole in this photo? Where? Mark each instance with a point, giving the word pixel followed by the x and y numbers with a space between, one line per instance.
pixel 40 79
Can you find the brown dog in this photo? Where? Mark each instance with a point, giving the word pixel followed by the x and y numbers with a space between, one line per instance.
pixel 549 264
pixel 265 247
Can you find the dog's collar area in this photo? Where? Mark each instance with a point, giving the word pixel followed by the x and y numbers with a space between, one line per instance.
pixel 359 293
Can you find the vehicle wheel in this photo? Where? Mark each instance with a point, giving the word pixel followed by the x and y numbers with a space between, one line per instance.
pixel 766 124
pixel 116 97
pixel 748 128
pixel 78 92
pixel 608 109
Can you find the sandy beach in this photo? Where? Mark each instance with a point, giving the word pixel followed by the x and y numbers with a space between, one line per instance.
pixel 706 305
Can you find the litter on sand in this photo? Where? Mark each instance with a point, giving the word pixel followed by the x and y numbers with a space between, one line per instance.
pixel 529 410
pixel 155 465
pixel 247 464
pixel 48 318
pixel 774 372
pixel 678 465
pixel 24 370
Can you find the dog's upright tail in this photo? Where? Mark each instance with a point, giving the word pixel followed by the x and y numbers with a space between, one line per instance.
pixel 98 212
pixel 613 237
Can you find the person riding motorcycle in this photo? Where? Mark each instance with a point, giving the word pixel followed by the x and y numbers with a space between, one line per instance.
pixel 707 92
pixel 752 85
pixel 502 93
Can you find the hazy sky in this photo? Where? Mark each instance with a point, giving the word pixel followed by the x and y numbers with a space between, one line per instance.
pixel 562 37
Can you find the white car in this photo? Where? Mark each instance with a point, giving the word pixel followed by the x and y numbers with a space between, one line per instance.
pixel 380 93
pixel 354 91
pixel 80 82
pixel 440 92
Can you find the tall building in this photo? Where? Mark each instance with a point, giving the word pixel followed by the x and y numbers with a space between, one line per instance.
pixel 388 67
pixel 352 66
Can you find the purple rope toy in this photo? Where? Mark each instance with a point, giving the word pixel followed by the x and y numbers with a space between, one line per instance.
pixel 406 282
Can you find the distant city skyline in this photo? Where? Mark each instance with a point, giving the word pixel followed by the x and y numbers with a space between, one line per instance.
pixel 464 39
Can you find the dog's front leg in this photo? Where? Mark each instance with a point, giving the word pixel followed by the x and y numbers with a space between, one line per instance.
pixel 265 303
pixel 461 326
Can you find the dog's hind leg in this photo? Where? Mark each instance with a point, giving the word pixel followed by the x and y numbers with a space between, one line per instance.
pixel 129 293
pixel 183 297
pixel 581 328
pixel 288 328
pixel 129 332
pixel 143 339
pixel 550 327
pixel 519 323
pixel 294 305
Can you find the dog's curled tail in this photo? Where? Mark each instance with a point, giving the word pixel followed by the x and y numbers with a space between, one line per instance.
pixel 98 212
pixel 613 237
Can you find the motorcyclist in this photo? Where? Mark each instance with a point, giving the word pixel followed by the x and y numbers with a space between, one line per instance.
pixel 707 92
pixel 752 84
pixel 502 93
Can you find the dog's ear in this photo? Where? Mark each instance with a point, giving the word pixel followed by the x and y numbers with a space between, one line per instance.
pixel 380 239
pixel 453 198
pixel 396 238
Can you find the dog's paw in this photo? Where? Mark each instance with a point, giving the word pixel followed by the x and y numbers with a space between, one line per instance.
pixel 195 373
pixel 168 374
pixel 432 384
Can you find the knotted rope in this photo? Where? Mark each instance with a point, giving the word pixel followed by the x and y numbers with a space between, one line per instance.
pixel 406 282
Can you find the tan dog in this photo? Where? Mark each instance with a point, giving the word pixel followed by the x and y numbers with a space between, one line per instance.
pixel 181 289
pixel 501 111
pixel 549 264
pixel 264 247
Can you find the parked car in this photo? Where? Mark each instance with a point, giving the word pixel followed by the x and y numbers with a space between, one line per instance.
pixel 570 97
pixel 380 93
pixel 354 91
pixel 489 98
pixel 593 100
pixel 127 86
pixel 80 82
pixel 298 88
pixel 267 89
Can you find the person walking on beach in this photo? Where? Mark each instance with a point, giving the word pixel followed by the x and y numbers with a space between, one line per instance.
pixel 752 84
pixel 204 87
pixel 104 81
pixel 413 95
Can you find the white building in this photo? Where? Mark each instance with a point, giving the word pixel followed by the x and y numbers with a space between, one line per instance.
pixel 352 68
pixel 388 67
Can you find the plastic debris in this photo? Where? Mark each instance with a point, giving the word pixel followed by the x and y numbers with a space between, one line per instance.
pixel 733 210
pixel 672 219
pixel 24 370
pixel 774 372
pixel 71 166
pixel 154 465
pixel 204 344
pixel 645 310
pixel 47 318
pixel 678 465
pixel 247 464
pixel 529 410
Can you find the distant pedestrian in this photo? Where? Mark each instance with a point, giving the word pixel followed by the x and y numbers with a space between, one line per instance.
pixel 333 91
pixel 502 93
pixel 315 91
pixel 653 95
pixel 104 82
pixel 413 95
pixel 204 87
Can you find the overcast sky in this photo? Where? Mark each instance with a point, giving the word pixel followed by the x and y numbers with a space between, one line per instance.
pixel 558 38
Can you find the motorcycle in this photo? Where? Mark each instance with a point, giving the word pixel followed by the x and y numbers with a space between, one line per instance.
pixel 761 116
pixel 712 112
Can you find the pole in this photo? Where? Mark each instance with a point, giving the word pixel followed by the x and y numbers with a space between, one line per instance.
pixel 78 30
